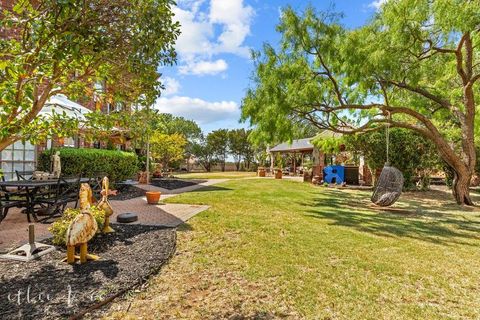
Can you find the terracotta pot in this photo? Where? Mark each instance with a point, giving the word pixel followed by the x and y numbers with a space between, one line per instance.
pixel 153 197
pixel 278 174
pixel 307 177
pixel 261 172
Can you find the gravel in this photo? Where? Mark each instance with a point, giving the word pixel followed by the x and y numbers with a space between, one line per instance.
pixel 59 290
pixel 172 184
pixel 127 193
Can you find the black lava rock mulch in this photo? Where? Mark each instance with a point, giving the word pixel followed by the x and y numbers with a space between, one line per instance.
pixel 128 192
pixel 172 184
pixel 48 288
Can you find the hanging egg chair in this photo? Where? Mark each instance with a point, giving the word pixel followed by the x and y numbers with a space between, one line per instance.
pixel 390 183
pixel 389 186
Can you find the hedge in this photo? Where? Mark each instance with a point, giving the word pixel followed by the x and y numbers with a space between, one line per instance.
pixel 118 165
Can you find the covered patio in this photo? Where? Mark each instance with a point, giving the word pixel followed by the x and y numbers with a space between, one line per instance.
pixel 296 154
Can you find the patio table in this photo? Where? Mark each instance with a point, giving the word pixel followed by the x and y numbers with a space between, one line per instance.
pixel 32 188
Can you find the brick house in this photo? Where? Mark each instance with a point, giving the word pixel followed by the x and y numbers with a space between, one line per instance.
pixel 23 156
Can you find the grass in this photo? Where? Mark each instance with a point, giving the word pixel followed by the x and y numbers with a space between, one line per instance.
pixel 281 249
pixel 216 175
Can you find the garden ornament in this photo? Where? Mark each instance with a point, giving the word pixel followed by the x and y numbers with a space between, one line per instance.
pixel 57 166
pixel 82 229
pixel 104 205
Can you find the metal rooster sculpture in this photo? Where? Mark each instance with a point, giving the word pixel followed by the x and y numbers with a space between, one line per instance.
pixel 104 205
pixel 82 228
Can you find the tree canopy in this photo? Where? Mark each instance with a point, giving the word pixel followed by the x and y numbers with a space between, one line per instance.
pixel 415 65
pixel 167 148
pixel 70 47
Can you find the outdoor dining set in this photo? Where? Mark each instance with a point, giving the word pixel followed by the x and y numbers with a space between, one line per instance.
pixel 43 199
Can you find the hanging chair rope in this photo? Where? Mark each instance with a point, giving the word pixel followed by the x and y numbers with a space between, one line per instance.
pixel 390 183
pixel 387 136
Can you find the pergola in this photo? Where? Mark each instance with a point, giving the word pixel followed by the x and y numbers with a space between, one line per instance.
pixel 300 146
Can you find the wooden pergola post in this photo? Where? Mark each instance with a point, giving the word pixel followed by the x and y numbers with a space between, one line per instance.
pixel 294 163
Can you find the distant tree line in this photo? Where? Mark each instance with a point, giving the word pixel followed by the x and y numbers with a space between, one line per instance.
pixel 174 140
pixel 215 147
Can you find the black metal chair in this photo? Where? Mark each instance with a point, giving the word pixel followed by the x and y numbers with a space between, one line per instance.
pixel 95 183
pixel 10 199
pixel 53 204
pixel 24 175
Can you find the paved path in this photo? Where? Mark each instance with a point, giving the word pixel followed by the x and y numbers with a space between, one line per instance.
pixel 14 228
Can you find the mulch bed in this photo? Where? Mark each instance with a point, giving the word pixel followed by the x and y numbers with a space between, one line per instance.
pixel 172 184
pixel 127 193
pixel 59 290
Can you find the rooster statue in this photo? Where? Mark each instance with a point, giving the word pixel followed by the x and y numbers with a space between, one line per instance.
pixel 82 228
pixel 105 205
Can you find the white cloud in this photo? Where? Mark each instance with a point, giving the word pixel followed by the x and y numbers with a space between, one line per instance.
pixel 172 86
pixel 203 112
pixel 377 4
pixel 196 33
pixel 204 67
pixel 200 39
pixel 235 19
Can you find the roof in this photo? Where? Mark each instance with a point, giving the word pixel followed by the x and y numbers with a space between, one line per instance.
pixel 60 103
pixel 296 145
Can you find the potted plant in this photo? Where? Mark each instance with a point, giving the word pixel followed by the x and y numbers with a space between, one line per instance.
pixel 278 173
pixel 278 168
pixel 307 171
pixel 153 197
pixel 261 172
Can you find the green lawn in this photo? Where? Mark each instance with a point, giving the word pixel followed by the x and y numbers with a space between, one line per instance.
pixel 282 249
pixel 216 175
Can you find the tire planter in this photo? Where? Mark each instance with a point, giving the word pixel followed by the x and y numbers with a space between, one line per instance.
pixel 153 197
pixel 127 217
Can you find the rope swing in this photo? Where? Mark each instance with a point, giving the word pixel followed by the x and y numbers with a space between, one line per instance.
pixel 390 183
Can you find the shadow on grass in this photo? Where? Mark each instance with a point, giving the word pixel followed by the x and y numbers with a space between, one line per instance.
pixel 212 188
pixel 184 227
pixel 408 218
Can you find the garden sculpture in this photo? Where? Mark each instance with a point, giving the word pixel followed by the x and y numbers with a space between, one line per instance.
pixel 142 177
pixel 57 166
pixel 390 183
pixel 82 229
pixel 104 205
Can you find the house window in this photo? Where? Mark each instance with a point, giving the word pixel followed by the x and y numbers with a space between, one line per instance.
pixel 18 156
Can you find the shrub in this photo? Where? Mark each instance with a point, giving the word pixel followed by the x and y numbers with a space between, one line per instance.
pixel 411 153
pixel 117 165
pixel 59 227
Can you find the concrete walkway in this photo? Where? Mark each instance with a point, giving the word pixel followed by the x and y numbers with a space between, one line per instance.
pixel 14 228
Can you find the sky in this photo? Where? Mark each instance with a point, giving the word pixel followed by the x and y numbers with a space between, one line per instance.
pixel 214 68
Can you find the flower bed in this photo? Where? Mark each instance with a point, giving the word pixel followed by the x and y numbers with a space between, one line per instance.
pixel 48 288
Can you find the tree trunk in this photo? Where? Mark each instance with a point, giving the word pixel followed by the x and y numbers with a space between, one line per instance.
pixel 5 143
pixel 461 188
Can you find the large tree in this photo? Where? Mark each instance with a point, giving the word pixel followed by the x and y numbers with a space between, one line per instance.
pixel 415 65
pixel 204 153
pixel 238 145
pixel 70 46
pixel 218 142
pixel 167 148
